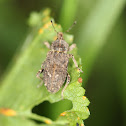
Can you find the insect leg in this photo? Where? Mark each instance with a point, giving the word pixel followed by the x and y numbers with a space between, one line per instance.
pixel 68 81
pixel 71 56
pixel 47 45
pixel 38 76
pixel 72 47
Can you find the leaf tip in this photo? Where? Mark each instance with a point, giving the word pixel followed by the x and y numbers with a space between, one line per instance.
pixel 46 12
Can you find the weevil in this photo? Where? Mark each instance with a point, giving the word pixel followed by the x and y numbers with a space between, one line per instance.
pixel 55 67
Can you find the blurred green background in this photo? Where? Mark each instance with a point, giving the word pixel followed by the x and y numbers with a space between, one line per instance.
pixel 100 35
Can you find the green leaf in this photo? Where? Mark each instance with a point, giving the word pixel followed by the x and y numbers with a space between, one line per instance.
pixel 19 90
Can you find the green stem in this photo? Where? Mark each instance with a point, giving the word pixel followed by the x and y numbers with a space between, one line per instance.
pixel 39 118
pixel 45 119
pixel 68 13
pixel 96 29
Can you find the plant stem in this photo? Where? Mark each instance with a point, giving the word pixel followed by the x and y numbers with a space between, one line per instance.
pixel 68 13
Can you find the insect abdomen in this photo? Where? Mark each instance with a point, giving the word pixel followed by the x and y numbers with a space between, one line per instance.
pixel 54 77
pixel 55 71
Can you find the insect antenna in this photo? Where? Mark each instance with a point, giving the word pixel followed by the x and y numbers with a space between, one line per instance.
pixel 71 26
pixel 54 27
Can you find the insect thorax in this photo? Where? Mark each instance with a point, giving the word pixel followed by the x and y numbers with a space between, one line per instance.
pixel 60 46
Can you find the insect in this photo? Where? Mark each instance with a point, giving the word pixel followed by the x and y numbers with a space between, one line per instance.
pixel 54 68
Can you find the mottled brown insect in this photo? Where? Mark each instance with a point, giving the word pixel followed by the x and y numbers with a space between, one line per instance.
pixel 54 68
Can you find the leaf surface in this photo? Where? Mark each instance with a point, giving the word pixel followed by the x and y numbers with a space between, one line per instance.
pixel 19 90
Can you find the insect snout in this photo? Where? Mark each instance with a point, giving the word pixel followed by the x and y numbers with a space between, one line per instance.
pixel 60 35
